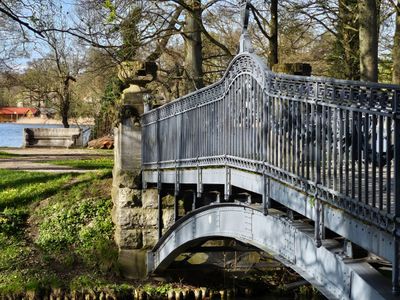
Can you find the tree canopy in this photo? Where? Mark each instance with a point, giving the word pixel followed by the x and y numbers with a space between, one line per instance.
pixel 192 41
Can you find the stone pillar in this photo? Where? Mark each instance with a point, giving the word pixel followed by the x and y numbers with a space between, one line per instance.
pixel 134 211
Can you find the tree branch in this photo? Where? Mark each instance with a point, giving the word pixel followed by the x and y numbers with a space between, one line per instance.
pixel 21 22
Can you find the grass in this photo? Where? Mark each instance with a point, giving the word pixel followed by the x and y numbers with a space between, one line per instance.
pixel 86 164
pixel 56 228
pixel 19 188
pixel 7 155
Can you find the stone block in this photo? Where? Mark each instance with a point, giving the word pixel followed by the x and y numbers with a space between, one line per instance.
pixel 150 238
pixel 133 263
pixel 127 152
pixel 114 195
pixel 124 218
pixel 150 198
pixel 129 179
pixel 129 239
pixel 168 201
pixel 146 217
pixel 128 197
pixel 114 215
pixel 168 218
pixel 137 218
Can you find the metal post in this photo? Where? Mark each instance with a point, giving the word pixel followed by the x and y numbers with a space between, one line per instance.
pixel 158 153
pixel 199 182
pixel 318 227
pixel 176 206
pixel 395 268
pixel 266 193
pixel 194 200
pixel 159 221
pixel 396 162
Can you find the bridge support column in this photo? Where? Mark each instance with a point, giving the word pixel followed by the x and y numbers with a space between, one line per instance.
pixel 199 182
pixel 396 268
pixel 176 205
pixel 134 211
pixel 266 194
pixel 194 200
pixel 160 213
pixel 319 223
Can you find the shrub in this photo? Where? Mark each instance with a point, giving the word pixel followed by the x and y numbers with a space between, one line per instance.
pixel 12 221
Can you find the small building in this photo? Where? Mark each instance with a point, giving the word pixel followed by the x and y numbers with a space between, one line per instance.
pixel 12 114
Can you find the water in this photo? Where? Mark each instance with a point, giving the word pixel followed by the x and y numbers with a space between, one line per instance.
pixel 11 134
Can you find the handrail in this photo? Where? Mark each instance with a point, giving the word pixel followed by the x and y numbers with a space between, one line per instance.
pixel 337 140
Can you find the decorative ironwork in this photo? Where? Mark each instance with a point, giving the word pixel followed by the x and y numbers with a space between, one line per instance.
pixel 337 141
pixel 321 135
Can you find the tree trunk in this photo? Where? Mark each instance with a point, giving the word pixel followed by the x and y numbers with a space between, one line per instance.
pixel 396 48
pixel 368 18
pixel 193 47
pixel 273 41
pixel 65 101
pixel 349 39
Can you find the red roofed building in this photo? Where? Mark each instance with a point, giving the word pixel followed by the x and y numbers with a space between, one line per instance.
pixel 12 114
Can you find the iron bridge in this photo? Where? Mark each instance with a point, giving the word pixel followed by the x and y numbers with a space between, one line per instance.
pixel 326 149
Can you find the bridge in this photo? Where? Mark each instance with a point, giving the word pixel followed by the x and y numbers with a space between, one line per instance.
pixel 256 149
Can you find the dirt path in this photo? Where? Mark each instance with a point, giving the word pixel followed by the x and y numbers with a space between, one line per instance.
pixel 39 160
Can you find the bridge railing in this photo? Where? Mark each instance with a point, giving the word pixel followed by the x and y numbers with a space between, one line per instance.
pixel 333 139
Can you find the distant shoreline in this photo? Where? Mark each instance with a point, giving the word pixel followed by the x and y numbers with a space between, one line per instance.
pixel 41 121
pixel 45 121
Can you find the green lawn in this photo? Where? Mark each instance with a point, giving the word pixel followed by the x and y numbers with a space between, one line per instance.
pixel 86 164
pixel 6 154
pixel 56 229
pixel 19 188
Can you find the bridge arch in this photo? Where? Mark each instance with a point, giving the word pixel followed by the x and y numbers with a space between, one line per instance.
pixel 290 242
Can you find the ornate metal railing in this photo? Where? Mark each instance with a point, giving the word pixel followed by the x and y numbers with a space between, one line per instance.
pixel 336 140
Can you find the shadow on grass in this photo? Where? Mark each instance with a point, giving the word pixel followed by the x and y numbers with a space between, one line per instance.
pixel 87 164
pixel 30 192
pixel 14 181
pixel 4 154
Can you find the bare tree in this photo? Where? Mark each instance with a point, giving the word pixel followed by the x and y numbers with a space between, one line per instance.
pixel 193 46
pixel 273 28
pixel 368 31
pixel 396 48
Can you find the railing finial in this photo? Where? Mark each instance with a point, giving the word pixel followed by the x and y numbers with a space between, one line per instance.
pixel 245 42
pixel 245 4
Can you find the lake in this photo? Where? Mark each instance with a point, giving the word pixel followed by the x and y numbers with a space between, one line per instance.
pixel 11 134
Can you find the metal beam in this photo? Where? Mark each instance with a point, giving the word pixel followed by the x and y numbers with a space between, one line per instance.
pixel 366 236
